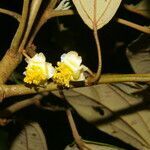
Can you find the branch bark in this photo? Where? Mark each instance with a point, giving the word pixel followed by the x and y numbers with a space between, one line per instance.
pixel 94 80
pixel 134 25
pixel 35 100
pixel 48 14
pixel 80 143
pixel 20 89
pixel 20 31
pixel 35 5
pixel 12 58
pixel 20 105
pixel 8 64
pixel 11 13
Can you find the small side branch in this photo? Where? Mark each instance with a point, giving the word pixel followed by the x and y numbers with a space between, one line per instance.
pixel 51 107
pixel 93 80
pixel 116 78
pixel 35 100
pixel 131 8
pixel 20 105
pixel 134 25
pixel 12 58
pixel 11 13
pixel 35 5
pixel 77 138
pixel 48 14
pixel 52 3
pixel 20 31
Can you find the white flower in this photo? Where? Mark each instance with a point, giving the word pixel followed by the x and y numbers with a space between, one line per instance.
pixel 38 70
pixel 72 60
pixel 69 69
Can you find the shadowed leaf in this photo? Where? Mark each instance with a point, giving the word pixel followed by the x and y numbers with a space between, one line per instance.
pixel 93 146
pixel 31 137
pixel 138 53
pixel 111 110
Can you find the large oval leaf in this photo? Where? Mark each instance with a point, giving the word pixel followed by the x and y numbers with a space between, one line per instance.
pixel 98 12
pixel 31 137
pixel 138 53
pixel 114 111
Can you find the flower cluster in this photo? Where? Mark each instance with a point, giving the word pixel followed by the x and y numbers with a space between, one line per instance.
pixel 69 69
pixel 38 71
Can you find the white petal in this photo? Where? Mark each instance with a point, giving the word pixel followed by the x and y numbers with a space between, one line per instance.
pixel 62 57
pixel 50 70
pixel 39 58
pixel 72 60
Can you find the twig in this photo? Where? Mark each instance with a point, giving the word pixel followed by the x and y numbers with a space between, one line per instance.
pixel 134 25
pixel 52 4
pixel 20 105
pixel 60 13
pixel 131 8
pixel 51 107
pixel 35 100
pixel 31 50
pixel 25 55
pixel 12 58
pixel 93 80
pixel 75 133
pixel 11 13
pixel 99 68
pixel 48 14
pixel 42 20
pixel 20 31
pixel 116 78
pixel 14 90
pixel 35 5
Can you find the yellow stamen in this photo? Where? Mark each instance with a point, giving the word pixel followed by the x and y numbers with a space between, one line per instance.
pixel 62 75
pixel 35 75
